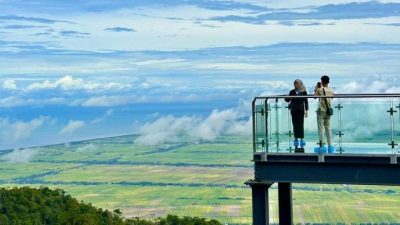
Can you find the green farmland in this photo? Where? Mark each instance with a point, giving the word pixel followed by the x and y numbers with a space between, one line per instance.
pixel 194 179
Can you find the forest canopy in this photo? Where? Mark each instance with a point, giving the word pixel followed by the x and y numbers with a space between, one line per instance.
pixel 38 206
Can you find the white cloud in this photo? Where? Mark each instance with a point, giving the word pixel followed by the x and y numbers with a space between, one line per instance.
pixel 371 114
pixel 9 84
pixel 18 130
pixel 67 144
pixel 104 101
pixel 72 126
pixel 164 62
pixel 188 29
pixel 66 82
pixel 158 31
pixel 219 122
pixel 12 101
pixel 373 84
pixel 236 66
pixel 164 129
pixel 296 3
pixel 118 100
pixel 240 127
pixel 216 123
pixel 88 147
pixel 107 114
pixel 20 155
pixel 71 83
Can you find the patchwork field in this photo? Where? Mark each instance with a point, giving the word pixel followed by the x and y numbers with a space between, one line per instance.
pixel 195 179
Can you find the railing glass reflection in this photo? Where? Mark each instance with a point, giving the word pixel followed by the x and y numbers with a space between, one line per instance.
pixel 360 124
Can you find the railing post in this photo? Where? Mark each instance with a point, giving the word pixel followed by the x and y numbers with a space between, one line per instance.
pixel 398 107
pixel 266 124
pixel 260 125
pixel 254 124
pixel 277 124
pixel 289 133
pixel 392 111
pixel 340 133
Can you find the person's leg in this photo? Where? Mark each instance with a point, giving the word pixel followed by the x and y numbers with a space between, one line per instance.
pixel 320 128
pixel 301 124
pixel 301 129
pixel 295 122
pixel 321 146
pixel 328 131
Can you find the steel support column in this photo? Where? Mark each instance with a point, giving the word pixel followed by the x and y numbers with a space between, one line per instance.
pixel 285 203
pixel 260 203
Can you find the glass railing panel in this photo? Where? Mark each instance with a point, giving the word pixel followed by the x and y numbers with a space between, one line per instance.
pixel 261 134
pixel 270 126
pixel 359 126
pixel 278 125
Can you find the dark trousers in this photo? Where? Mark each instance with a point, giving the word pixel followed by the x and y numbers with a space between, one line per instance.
pixel 298 123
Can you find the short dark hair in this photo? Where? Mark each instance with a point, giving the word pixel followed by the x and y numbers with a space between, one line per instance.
pixel 325 79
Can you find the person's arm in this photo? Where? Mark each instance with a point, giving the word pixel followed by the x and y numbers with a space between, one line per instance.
pixel 305 105
pixel 289 99
pixel 318 91
pixel 306 101
pixel 329 92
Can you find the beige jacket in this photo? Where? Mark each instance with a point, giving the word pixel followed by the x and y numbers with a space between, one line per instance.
pixel 322 103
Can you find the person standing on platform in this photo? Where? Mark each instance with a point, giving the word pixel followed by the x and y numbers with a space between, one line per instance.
pixel 324 113
pixel 299 110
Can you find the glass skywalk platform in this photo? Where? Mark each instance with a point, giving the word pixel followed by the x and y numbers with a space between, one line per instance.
pixel 361 123
pixel 366 129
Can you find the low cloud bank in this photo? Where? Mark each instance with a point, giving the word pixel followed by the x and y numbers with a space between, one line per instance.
pixel 18 130
pixel 20 155
pixel 373 84
pixel 88 147
pixel 72 126
pixel 171 129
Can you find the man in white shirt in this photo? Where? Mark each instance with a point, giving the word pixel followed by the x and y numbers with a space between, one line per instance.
pixel 323 115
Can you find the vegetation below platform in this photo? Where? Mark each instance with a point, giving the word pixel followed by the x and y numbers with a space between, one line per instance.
pixel 45 206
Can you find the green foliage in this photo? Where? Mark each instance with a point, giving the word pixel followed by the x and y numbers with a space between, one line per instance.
pixel 173 220
pixel 43 206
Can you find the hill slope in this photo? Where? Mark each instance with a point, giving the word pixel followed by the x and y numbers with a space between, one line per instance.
pixel 44 206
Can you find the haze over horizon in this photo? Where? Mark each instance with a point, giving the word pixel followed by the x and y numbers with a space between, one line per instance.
pixel 103 68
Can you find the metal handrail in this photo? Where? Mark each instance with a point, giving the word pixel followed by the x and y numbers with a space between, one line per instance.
pixel 391 95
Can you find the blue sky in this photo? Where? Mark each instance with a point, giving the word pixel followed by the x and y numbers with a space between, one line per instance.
pixel 98 60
